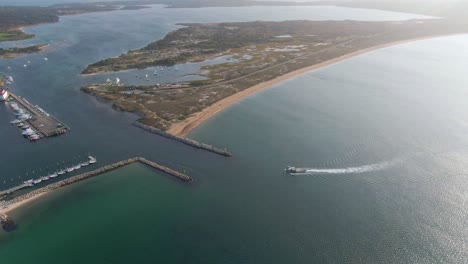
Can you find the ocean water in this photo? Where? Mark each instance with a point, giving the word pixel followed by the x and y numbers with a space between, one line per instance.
pixel 384 135
pixel 97 129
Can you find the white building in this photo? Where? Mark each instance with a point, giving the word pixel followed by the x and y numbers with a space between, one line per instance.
pixel 3 94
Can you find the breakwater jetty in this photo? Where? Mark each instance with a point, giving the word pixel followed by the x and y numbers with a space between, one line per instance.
pixel 186 141
pixel 96 172
pixel 14 189
pixel 8 223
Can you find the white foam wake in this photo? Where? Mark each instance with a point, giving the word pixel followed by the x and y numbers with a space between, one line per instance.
pixel 361 169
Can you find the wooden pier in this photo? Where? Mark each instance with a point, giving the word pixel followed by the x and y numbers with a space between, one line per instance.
pixel 41 121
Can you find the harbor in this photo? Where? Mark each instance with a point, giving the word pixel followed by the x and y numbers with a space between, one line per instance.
pixel 34 122
pixel 32 182
pixel 8 223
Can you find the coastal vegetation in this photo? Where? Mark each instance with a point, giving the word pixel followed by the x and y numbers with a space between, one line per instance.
pixel 258 52
pixel 16 52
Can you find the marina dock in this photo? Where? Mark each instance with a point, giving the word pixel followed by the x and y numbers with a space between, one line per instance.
pixel 41 121
pixel 32 182
pixel 178 175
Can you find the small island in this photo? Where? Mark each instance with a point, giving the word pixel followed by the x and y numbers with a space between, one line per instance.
pixel 262 53
pixel 12 53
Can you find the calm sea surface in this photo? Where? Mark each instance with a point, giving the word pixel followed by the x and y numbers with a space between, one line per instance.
pixel 384 134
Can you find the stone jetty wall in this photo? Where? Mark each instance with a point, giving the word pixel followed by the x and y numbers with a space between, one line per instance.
pixel 97 172
pixel 186 141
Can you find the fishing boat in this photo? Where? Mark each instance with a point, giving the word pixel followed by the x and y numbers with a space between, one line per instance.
pixel 70 169
pixel 61 172
pixel 77 167
pixel 84 164
pixel 53 175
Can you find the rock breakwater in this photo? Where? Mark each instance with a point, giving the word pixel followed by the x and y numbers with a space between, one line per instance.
pixel 99 171
pixel 186 141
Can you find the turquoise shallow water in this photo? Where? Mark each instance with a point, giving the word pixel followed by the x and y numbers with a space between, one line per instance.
pixel 386 132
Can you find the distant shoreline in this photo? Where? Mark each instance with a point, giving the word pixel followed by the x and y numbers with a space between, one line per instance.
pixel 183 128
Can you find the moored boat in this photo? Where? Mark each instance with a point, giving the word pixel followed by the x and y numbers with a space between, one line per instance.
pixel 34 137
pixel 28 181
pixel 37 181
pixel 92 160
pixel 28 132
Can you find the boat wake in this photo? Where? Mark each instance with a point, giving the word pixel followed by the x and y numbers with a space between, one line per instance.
pixel 350 170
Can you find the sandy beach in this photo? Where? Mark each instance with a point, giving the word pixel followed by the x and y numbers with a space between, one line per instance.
pixel 183 128
pixel 19 204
